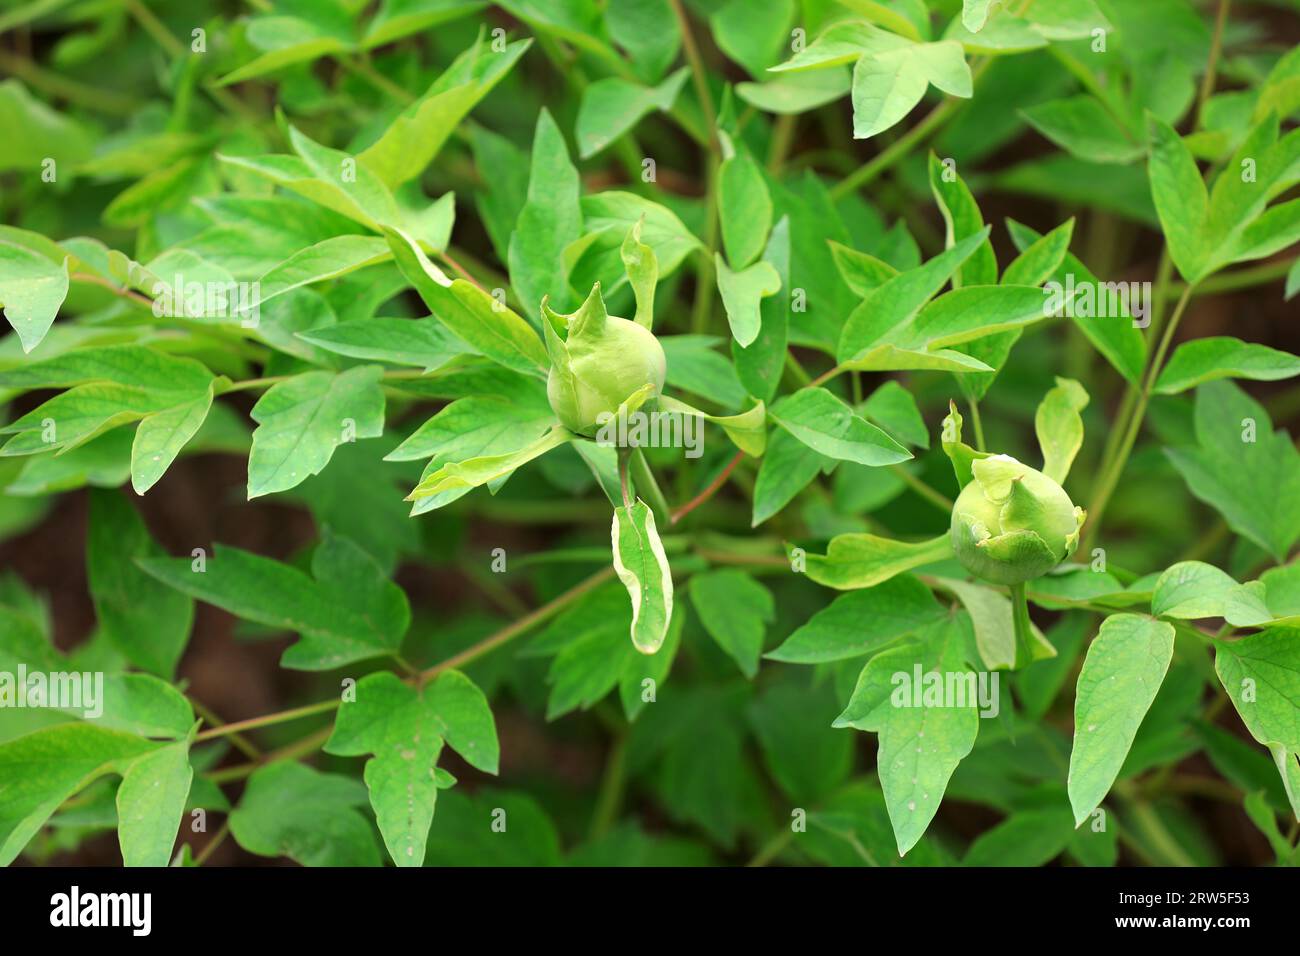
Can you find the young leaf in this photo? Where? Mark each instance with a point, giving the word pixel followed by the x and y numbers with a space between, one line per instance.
pixel 550 220
pixel 349 611
pixel 301 421
pixel 1221 356
pixel 289 809
pixel 744 209
pixel 612 106
pixel 1180 197
pixel 896 608
pixel 742 296
pixel 642 566
pixel 920 745
pixel 151 802
pixel 828 426
pixel 424 343
pixel 32 290
pixel 1059 427
pixel 419 132
pixel 45 768
pixel 1125 665
pixel 471 314
pixel 404 728
pixel 864 560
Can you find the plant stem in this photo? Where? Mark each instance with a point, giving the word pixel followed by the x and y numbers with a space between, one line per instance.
pixel 1023 626
pixel 698 75
pixel 211 847
pixel 1110 477
pixel 936 498
pixel 241 743
pixel 708 492
pixel 1212 66
pixel 770 850
pixel 612 785
pixel 895 151
pixel 646 484
pixel 977 426
pixel 489 643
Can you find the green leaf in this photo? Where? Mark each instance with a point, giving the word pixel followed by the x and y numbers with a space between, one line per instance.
pixel 920 745
pixel 892 407
pixel 32 290
pixel 1181 200
pixel 111 386
pixel 1026 838
pixel 642 274
pixel 788 466
pixel 642 566
pixel 992 617
pixel 44 768
pixel 742 296
pixel 612 106
pixel 475 426
pixel 897 301
pixel 404 728
pixel 1221 356
pixel 808 759
pixel 1124 668
pixel 752 41
pixel 606 218
pixel 1191 590
pixel 1115 337
pixel 795 93
pixel 143 618
pixel 151 802
pixel 418 133
pixel 828 426
pixel 1084 127
pixel 888 84
pixel 760 364
pixel 744 209
pixel 348 611
pixel 864 560
pixel 747 431
pixel 424 343
pixel 443 477
pixel 301 421
pixel 974 14
pixel 1059 427
pixel 289 809
pixel 550 220
pixel 1261 673
pixel 647 30
pixel 896 608
pixel 471 314
pixel 1242 468
pixel 735 610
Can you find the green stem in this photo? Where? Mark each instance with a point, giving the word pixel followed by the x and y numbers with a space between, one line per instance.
pixel 612 785
pixel 940 501
pixel 646 484
pixel 1110 477
pixel 1023 626
pixel 977 426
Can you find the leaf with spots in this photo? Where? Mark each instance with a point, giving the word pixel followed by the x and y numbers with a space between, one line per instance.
pixel 404 728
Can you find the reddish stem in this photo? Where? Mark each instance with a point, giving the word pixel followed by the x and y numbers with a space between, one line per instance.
pixel 708 492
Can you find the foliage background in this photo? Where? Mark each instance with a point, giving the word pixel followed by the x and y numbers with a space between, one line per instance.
pixel 710 780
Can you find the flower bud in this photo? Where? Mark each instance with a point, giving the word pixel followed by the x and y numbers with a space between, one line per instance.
pixel 599 362
pixel 1012 523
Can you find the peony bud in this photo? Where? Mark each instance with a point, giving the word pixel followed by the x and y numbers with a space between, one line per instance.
pixel 1012 523
pixel 599 362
